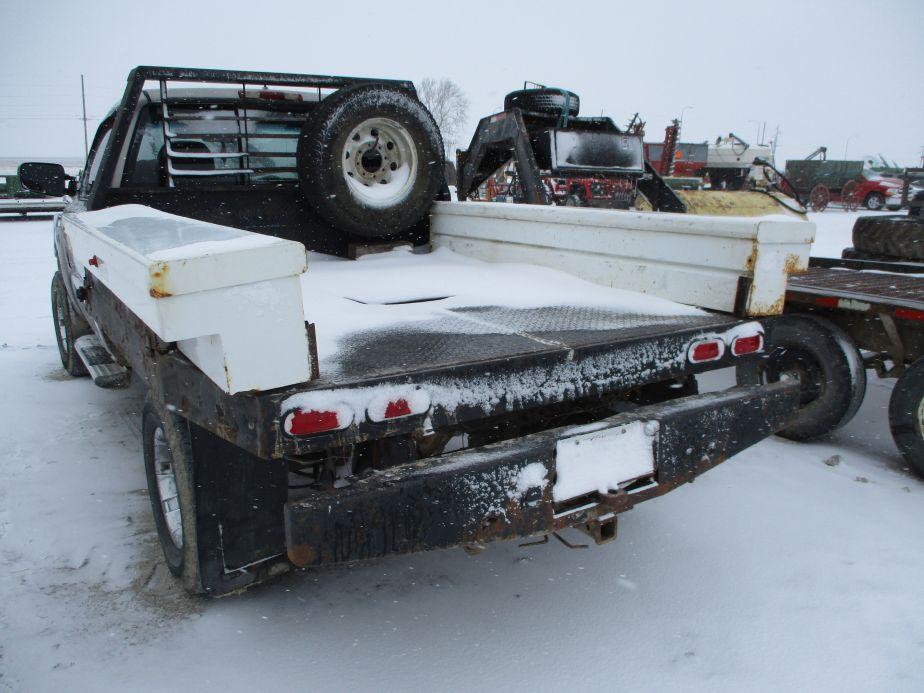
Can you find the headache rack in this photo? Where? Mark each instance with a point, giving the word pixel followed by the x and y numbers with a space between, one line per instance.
pixel 194 147
pixel 244 134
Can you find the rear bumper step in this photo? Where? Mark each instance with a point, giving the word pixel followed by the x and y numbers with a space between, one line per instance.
pixel 536 484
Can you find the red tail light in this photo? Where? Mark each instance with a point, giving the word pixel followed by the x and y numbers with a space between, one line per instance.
pixel 706 350
pixel 909 314
pixel 300 422
pixel 397 402
pixel 397 409
pixel 747 345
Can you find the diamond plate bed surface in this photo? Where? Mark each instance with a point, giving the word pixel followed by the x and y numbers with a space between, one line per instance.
pixel 467 335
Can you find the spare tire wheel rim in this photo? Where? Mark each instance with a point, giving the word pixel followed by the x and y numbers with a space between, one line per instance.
pixel 380 162
pixel 166 487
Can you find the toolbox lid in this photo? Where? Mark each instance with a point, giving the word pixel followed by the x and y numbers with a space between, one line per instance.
pixel 184 256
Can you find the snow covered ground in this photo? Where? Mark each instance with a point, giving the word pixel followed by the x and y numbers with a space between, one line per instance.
pixel 789 567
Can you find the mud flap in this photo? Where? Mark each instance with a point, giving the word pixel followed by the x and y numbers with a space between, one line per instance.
pixel 240 500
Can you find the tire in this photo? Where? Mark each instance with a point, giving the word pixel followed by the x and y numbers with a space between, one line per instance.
pixel 166 449
pixel 360 136
pixel 874 202
pixel 830 368
pixel 899 236
pixel 906 415
pixel 545 101
pixel 68 327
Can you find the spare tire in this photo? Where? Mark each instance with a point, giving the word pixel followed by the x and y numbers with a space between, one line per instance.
pixel 370 160
pixel 893 235
pixel 546 101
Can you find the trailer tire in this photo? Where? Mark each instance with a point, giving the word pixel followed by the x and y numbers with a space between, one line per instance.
pixel 906 415
pixel 168 465
pixel 370 160
pixel 68 327
pixel 829 367
pixel 545 101
pixel 894 235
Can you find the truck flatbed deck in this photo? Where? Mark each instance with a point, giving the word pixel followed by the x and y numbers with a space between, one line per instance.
pixel 448 311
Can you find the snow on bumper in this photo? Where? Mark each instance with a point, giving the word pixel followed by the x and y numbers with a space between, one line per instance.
pixel 536 484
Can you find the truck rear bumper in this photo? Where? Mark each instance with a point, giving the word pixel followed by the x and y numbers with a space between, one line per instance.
pixel 536 484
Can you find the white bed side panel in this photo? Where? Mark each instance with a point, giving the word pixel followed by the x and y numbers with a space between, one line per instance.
pixel 690 259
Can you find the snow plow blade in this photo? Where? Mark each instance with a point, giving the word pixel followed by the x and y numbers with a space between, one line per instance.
pixel 537 484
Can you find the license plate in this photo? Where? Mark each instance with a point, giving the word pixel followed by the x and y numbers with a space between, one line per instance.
pixel 602 460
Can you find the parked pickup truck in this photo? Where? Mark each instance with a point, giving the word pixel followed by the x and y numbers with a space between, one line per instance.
pixel 477 372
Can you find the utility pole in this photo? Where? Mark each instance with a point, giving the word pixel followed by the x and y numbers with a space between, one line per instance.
pixel 83 101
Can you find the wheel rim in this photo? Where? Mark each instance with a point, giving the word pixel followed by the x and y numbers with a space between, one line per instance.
pixel 874 202
pixel 790 362
pixel 166 487
pixel 61 321
pixel 379 162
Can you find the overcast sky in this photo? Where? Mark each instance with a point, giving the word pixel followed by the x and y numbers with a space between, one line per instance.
pixel 837 73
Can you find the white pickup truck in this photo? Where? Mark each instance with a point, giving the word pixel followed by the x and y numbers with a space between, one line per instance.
pixel 477 372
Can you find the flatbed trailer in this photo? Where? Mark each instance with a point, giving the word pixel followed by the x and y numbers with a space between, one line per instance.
pixel 880 304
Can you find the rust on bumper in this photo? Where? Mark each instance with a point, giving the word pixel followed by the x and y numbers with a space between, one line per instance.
pixel 478 495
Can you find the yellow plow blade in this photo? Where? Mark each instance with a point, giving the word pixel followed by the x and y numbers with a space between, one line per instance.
pixel 727 203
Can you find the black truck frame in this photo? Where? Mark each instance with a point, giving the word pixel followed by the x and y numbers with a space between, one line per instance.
pixel 407 494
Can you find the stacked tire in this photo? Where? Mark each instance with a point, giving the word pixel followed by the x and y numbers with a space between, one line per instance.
pixel 896 236
pixel 544 101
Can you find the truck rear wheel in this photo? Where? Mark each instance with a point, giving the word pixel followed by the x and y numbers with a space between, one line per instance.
pixel 370 160
pixel 906 415
pixel 168 467
pixel 828 365
pixel 68 327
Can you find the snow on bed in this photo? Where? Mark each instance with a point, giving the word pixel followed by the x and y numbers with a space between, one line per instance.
pixel 402 287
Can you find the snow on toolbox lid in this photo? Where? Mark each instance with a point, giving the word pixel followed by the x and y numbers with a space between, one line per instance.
pixel 222 294
pixel 184 256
